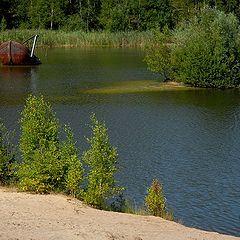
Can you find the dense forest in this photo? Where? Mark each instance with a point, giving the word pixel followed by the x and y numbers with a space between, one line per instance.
pixel 110 15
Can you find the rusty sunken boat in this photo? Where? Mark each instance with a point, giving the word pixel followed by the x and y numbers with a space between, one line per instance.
pixel 14 53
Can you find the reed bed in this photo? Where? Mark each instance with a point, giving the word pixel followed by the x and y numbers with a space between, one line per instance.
pixel 59 38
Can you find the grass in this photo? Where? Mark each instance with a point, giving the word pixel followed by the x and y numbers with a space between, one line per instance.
pixel 59 38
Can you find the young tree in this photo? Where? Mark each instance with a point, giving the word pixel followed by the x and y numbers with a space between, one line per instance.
pixel 155 200
pixel 41 169
pixel 48 164
pixel 101 159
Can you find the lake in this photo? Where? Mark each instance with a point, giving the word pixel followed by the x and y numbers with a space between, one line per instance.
pixel 189 139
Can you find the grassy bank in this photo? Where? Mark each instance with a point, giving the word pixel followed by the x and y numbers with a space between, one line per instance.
pixel 80 39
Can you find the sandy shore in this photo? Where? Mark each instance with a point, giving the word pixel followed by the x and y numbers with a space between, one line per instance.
pixel 28 216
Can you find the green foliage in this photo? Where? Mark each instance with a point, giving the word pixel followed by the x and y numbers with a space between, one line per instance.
pixel 155 200
pixel 158 54
pixel 7 156
pixel 39 127
pixel 3 24
pixel 156 14
pixel 136 15
pixel 113 15
pixel 101 158
pixel 74 23
pixel 41 14
pixel 48 165
pixel 40 170
pixel 204 52
pixel 73 167
pixel 44 173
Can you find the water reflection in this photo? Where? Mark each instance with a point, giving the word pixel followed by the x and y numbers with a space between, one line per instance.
pixel 16 82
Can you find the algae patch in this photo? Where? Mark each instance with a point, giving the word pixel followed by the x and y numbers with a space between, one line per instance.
pixel 127 87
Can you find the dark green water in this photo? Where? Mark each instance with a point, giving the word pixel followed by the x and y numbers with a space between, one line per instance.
pixel 190 140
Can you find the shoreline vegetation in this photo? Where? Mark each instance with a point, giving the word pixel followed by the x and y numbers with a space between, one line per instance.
pixel 49 163
pixel 204 51
pixel 52 38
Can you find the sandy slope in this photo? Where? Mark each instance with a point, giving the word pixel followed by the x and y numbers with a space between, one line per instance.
pixel 28 216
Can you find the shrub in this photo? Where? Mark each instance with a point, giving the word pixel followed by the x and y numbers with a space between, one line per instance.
pixel 158 53
pixel 41 169
pixel 73 166
pixel 156 202
pixel 45 172
pixel 7 156
pixel 101 158
pixel 39 127
pixel 48 164
pixel 203 52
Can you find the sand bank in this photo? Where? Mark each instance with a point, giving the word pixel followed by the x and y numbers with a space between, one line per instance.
pixel 29 216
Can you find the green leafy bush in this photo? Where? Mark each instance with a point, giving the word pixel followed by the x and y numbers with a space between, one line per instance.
pixel 3 24
pixel 39 127
pixel 73 166
pixel 41 169
pixel 203 52
pixel 48 165
pixel 155 200
pixel 101 158
pixel 44 173
pixel 158 54
pixel 7 156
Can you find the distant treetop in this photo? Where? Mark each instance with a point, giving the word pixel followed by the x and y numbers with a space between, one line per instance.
pixel 111 15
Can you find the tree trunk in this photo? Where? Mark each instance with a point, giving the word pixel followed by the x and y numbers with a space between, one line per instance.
pixel 51 23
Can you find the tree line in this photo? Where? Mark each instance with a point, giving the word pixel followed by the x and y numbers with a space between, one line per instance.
pixel 111 15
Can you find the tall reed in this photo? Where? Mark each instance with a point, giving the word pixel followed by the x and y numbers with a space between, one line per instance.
pixel 59 38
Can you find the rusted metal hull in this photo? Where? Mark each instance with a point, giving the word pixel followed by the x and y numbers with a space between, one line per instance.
pixel 14 53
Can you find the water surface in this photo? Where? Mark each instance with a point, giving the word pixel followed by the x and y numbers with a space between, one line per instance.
pixel 190 140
